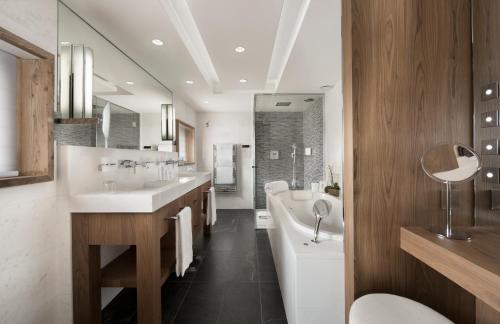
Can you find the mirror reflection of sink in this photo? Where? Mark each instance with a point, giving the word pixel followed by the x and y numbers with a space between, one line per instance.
pixel 158 183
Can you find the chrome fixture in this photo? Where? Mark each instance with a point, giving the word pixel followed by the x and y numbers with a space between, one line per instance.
pixel 321 209
pixel 294 176
pixel 451 164
pixel 127 164
pixel 99 166
pixel 167 122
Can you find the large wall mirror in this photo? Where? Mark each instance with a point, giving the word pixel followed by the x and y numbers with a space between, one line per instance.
pixel 105 99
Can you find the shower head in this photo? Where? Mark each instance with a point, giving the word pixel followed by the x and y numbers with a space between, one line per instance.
pixel 294 146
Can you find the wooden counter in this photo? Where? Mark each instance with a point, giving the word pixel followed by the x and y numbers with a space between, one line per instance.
pixel 145 266
pixel 474 265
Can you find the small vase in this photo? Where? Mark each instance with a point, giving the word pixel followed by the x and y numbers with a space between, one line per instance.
pixel 334 192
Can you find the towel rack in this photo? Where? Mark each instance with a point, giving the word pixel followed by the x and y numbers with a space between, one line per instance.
pixel 226 187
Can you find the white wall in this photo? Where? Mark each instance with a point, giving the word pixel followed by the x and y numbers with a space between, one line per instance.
pixel 31 231
pixel 236 128
pixel 8 79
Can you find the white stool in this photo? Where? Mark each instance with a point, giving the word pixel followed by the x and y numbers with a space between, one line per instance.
pixel 392 309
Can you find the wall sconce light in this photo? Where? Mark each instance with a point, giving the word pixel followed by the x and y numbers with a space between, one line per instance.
pixel 76 78
pixel 167 122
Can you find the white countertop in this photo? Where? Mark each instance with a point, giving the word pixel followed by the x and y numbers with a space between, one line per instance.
pixel 144 200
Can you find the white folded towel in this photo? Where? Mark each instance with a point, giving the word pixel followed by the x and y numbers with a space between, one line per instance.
pixel 9 174
pixel 224 156
pixel 183 241
pixel 211 207
pixel 224 175
pixel 276 187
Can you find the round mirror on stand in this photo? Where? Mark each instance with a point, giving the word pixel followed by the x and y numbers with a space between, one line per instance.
pixel 451 164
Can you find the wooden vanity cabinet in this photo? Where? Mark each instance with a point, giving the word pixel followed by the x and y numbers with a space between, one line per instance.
pixel 193 200
pixel 145 266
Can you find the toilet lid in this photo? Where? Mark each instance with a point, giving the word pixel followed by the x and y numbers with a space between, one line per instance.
pixel 392 309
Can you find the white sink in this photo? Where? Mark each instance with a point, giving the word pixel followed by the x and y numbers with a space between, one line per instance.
pixel 146 199
pixel 158 183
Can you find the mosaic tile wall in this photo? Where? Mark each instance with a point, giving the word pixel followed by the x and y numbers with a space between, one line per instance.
pixel 277 131
pixel 125 129
pixel 78 135
pixel 313 138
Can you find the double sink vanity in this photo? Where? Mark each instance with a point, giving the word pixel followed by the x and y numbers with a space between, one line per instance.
pixel 142 219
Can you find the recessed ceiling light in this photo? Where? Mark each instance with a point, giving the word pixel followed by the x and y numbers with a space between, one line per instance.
pixel 65 43
pixel 243 80
pixel 190 82
pixel 239 49
pixel 326 87
pixel 206 101
pixel 130 82
pixel 157 42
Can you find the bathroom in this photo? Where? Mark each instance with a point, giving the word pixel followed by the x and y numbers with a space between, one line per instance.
pixel 167 162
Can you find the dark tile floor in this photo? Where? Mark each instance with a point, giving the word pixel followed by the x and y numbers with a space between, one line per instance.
pixel 234 281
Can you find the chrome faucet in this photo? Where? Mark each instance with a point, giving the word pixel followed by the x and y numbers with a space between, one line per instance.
pixel 321 209
pixel 127 164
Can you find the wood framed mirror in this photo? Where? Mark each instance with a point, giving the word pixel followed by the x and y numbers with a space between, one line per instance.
pixel 185 139
pixel 26 109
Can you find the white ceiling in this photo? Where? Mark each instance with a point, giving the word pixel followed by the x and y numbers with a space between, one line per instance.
pixel 223 24
pixel 267 102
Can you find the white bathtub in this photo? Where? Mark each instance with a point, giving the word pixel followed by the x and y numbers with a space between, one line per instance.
pixel 300 206
pixel 311 276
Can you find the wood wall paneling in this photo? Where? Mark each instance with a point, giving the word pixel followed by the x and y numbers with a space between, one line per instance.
pixel 407 87
pixel 486 60
pixel 486 70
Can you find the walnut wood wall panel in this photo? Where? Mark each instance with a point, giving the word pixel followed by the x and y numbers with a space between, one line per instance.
pixel 486 70
pixel 407 86
pixel 486 59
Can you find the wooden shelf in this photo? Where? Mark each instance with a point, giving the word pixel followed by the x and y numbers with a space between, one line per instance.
pixel 23 180
pixel 474 265
pixel 122 272
pixel 76 121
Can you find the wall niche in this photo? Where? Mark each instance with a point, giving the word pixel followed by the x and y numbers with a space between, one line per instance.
pixel 33 108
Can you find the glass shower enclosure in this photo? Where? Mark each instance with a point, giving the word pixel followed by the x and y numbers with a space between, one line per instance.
pixel 288 141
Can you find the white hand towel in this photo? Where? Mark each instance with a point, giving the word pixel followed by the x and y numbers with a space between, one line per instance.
pixel 276 187
pixel 211 207
pixel 9 174
pixel 224 155
pixel 183 241
pixel 224 175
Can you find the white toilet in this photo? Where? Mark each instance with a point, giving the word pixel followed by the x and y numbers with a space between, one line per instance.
pixel 392 309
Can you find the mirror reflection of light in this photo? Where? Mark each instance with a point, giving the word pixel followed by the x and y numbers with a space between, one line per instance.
pixel 488 92
pixel 489 175
pixel 489 147
pixel 489 119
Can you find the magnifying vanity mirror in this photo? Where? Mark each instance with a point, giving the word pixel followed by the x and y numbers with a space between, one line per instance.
pixel 451 164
